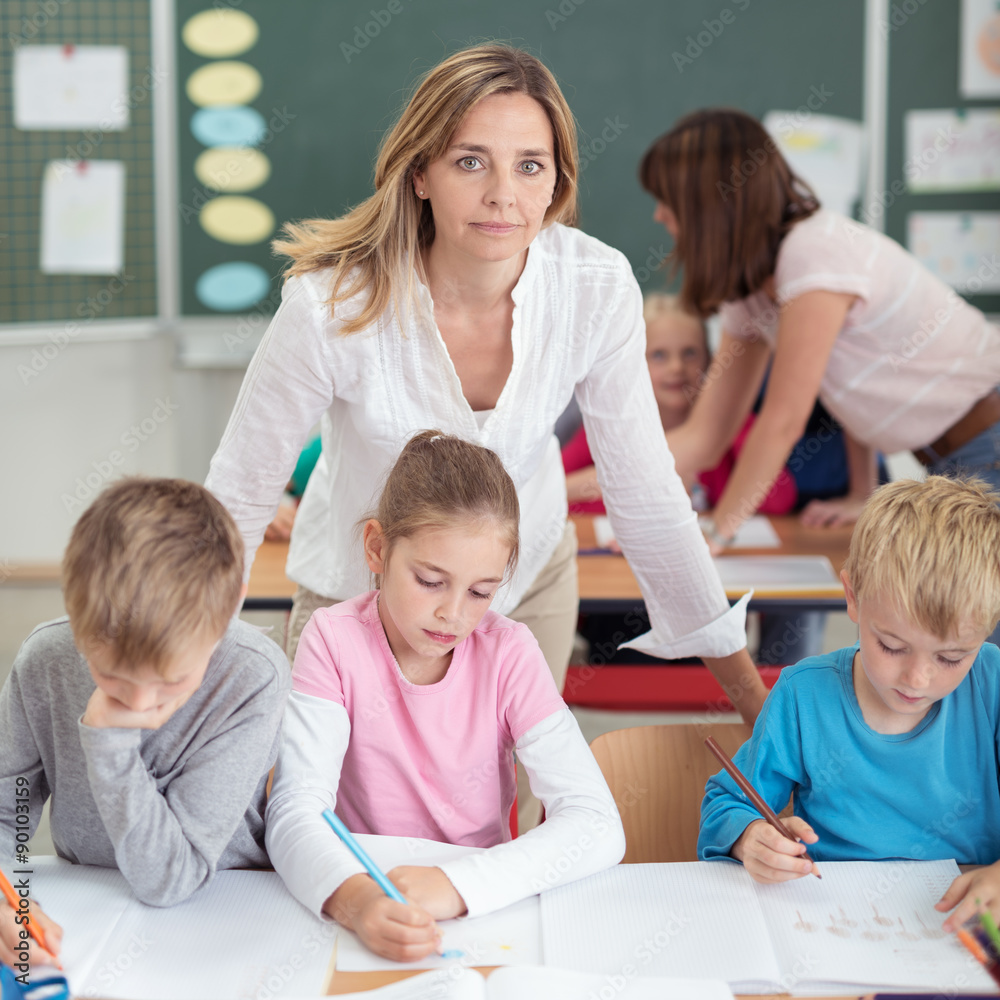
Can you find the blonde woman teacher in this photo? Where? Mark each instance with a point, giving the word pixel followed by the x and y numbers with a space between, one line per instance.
pixel 459 297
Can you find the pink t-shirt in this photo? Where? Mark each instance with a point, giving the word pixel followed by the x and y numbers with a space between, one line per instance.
pixel 913 355
pixel 432 760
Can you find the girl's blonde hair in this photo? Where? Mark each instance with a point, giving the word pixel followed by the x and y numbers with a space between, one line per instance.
pixel 441 481
pixel 369 247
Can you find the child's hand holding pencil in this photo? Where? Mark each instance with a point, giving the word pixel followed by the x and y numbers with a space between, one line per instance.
pixel 44 935
pixel 770 857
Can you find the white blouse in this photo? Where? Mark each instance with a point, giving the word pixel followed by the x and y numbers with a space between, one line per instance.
pixel 577 326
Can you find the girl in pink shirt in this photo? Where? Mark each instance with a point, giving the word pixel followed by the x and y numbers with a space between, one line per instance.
pixel 407 704
pixel 841 312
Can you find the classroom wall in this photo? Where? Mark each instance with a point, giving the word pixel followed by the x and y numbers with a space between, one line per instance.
pixel 91 412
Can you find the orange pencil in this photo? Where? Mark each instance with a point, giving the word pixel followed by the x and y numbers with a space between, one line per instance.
pixel 12 897
pixel 754 796
pixel 973 945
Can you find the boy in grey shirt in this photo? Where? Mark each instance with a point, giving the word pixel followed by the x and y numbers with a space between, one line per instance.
pixel 150 715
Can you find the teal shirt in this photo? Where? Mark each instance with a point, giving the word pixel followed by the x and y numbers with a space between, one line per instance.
pixel 929 793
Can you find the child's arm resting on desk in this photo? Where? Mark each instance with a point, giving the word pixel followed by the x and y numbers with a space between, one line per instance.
pixel 168 842
pixel 582 832
pixel 771 762
pixel 317 868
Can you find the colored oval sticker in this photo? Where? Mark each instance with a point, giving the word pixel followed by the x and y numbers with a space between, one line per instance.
pixel 236 219
pixel 232 286
pixel 227 82
pixel 232 168
pixel 235 125
pixel 219 33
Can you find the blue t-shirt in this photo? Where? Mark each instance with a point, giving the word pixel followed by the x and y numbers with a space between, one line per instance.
pixel 929 793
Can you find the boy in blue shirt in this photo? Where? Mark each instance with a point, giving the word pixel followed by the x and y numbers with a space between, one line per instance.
pixel 889 747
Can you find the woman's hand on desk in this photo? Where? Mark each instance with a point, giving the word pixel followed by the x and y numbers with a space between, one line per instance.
pixel 429 888
pixel 982 885
pixel 400 931
pixel 837 513
pixel 770 857
pixel 11 940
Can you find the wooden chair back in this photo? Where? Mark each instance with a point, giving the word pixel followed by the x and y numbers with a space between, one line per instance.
pixel 657 776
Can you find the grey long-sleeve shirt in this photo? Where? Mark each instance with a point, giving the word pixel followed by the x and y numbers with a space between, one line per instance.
pixel 169 807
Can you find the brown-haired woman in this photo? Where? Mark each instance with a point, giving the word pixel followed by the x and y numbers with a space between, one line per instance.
pixel 839 311
pixel 457 296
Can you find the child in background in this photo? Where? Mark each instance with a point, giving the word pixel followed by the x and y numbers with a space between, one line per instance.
pixel 678 357
pixel 150 715
pixel 889 747
pixel 407 704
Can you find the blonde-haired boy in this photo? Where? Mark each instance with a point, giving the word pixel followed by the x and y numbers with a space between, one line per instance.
pixel 150 715
pixel 889 748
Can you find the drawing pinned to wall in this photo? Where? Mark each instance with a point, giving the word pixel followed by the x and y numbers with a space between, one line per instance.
pixel 229 82
pixel 961 248
pixel 952 150
pixel 825 151
pixel 83 217
pixel 232 286
pixel 980 49
pixel 220 33
pixel 237 219
pixel 71 87
pixel 228 126
pixel 232 168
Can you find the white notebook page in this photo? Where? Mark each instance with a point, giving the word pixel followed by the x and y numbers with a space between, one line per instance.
pixel 510 936
pixel 870 923
pixel 693 920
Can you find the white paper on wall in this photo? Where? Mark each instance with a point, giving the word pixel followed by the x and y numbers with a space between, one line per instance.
pixel 71 87
pixel 961 248
pixel 83 217
pixel 950 150
pixel 979 58
pixel 825 151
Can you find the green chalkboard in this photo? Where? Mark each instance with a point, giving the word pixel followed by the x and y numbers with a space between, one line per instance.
pixel 335 75
pixel 923 74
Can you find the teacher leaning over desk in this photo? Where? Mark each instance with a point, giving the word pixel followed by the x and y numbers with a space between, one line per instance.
pixel 459 297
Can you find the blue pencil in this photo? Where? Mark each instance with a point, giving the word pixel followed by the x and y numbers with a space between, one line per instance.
pixel 359 852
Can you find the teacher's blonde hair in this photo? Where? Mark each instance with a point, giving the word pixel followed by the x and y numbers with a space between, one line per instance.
pixel 369 247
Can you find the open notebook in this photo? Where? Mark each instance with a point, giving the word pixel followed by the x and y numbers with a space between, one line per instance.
pixel 242 935
pixel 537 983
pixel 866 925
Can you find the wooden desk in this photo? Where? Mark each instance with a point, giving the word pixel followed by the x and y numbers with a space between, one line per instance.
pixel 356 982
pixel 607 584
pixel 606 581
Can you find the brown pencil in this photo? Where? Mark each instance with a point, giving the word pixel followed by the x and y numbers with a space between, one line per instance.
pixel 751 793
